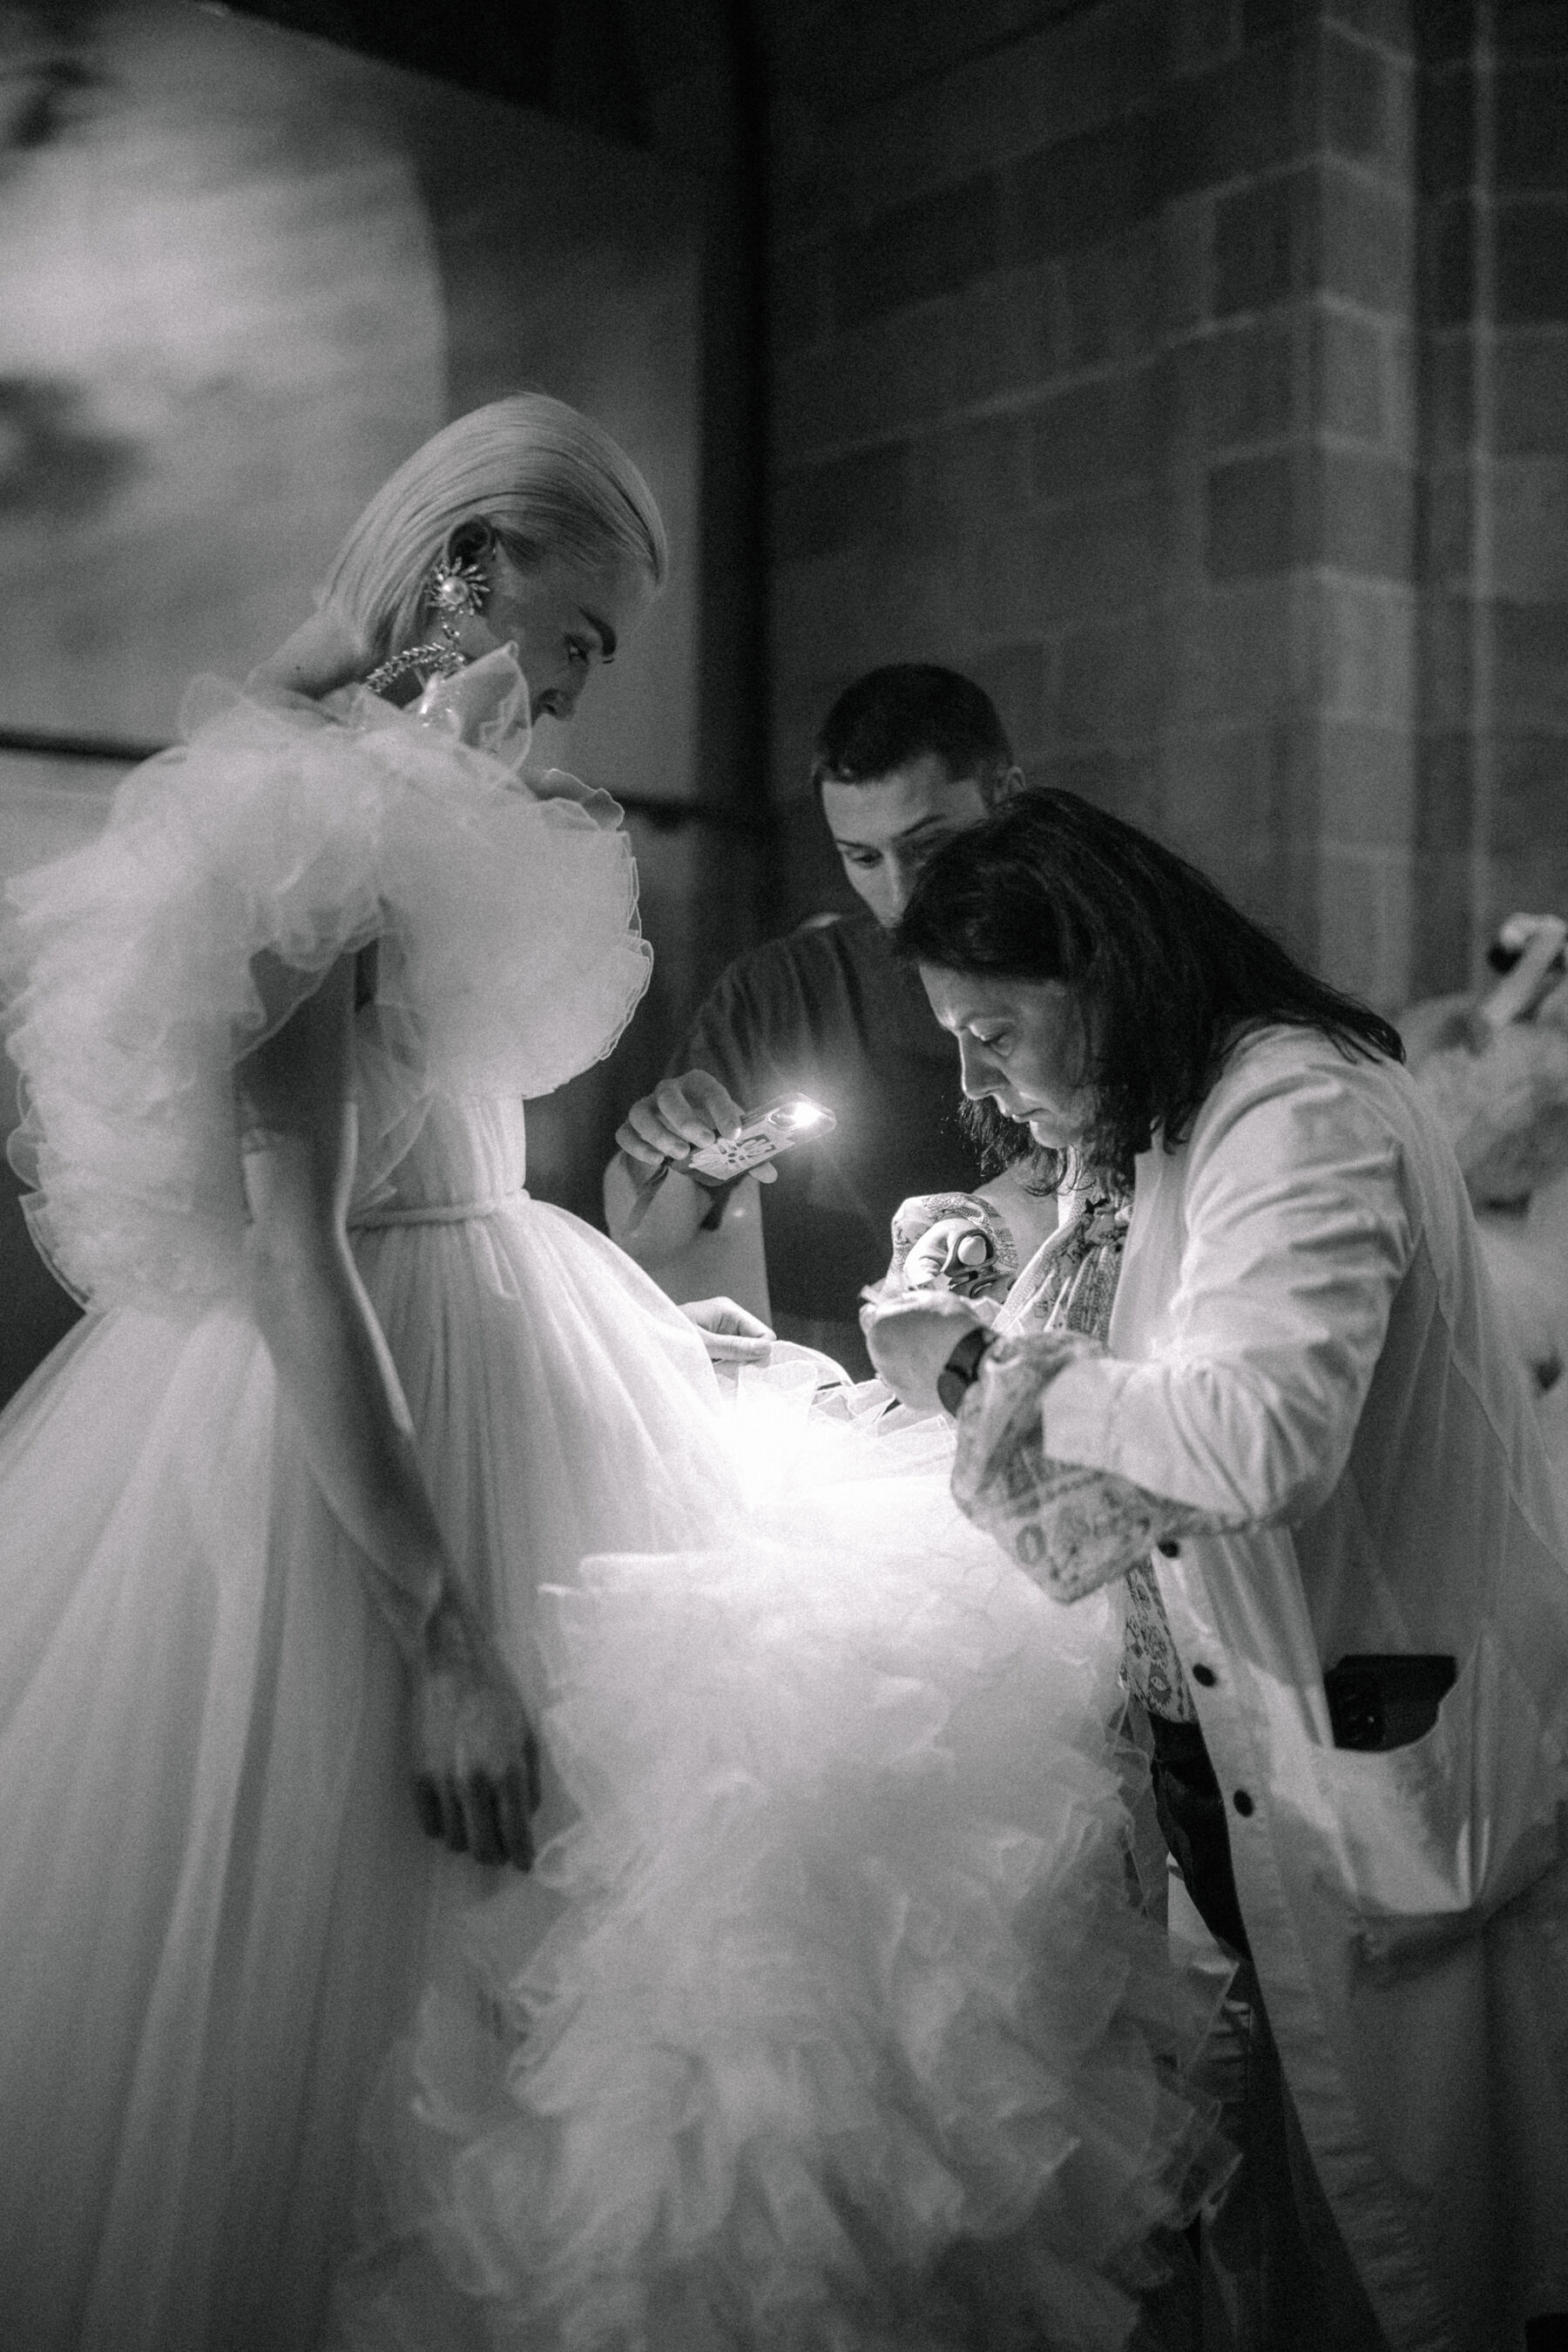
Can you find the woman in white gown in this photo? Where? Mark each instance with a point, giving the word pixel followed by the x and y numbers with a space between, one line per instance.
pixel 827 2022
pixel 233 1538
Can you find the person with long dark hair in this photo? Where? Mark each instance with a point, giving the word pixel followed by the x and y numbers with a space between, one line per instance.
pixel 1257 1382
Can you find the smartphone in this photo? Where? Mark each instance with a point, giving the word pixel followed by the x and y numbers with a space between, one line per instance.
pixel 766 1132
pixel 1380 1701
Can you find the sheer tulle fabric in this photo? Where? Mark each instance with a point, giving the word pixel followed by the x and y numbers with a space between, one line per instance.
pixel 216 1910
pixel 509 955
pixel 846 2034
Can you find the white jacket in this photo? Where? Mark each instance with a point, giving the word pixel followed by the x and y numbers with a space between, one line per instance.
pixel 1303 1343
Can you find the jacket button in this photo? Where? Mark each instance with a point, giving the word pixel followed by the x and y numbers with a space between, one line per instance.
pixel 1206 1675
pixel 1170 1548
pixel 1242 1802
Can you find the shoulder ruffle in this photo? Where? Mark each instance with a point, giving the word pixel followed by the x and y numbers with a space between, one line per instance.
pixel 511 956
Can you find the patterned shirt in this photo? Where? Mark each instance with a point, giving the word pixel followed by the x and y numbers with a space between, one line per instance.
pixel 1076 1527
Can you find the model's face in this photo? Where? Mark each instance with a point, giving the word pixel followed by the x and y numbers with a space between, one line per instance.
pixel 567 620
pixel 884 832
pixel 1021 1042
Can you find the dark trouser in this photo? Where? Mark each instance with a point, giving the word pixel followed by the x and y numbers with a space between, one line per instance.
pixel 1296 2279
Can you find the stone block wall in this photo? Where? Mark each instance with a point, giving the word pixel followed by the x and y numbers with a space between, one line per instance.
pixel 1124 354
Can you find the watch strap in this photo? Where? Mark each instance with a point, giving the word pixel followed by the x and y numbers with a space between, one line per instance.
pixel 961 1370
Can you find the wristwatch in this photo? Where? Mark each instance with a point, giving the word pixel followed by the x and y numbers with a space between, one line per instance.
pixel 961 1370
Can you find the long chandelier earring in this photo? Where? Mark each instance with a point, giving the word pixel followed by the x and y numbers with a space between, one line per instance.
pixel 455 591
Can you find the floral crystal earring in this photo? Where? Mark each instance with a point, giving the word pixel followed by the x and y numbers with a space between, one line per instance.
pixel 456 591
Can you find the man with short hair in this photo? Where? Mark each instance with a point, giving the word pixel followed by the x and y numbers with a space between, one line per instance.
pixel 907 757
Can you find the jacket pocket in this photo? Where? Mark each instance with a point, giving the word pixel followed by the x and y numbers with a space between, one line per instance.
pixel 1446 1830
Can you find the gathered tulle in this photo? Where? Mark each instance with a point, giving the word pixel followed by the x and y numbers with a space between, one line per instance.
pixel 846 2034
pixel 510 958
pixel 217 1910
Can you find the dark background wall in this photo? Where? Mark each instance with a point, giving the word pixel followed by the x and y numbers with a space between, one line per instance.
pixel 1192 371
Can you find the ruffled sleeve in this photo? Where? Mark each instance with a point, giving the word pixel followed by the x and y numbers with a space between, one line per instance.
pixel 510 954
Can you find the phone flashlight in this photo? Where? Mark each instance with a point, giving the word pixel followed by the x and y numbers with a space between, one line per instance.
pixel 764 1133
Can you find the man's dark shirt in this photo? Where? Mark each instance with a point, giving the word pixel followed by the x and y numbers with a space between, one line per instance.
pixel 829 1011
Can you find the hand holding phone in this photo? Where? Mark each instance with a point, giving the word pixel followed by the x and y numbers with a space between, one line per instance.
pixel 794 1119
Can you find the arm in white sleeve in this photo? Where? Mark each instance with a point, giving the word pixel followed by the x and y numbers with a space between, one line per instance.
pixel 1298 1230
pixel 1073 1528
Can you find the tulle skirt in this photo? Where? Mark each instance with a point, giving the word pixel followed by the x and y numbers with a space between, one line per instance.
pixel 847 2035
pixel 216 1909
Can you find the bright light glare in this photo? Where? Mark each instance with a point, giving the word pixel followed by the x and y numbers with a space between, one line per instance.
pixel 800 1114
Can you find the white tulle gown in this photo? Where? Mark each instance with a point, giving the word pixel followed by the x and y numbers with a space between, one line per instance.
pixel 825 2024
pixel 216 1909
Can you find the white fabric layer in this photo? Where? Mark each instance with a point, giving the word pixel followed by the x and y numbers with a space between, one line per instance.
pixel 846 2034
pixel 216 1909
pixel 509 956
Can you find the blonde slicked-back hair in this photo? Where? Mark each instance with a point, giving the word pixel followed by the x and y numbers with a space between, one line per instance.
pixel 547 481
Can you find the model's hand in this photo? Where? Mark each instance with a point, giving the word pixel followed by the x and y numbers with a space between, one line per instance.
pixel 681 1117
pixel 730 1333
pixel 476 1760
pixel 912 1338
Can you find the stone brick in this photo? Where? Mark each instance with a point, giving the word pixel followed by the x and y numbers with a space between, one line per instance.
pixel 1232 656
pixel 1253 514
pixel 1367 241
pixel 1201 33
pixel 1446 650
pixel 1450 242
pixel 894 373
pixel 1532 128
pixel 1445 791
pixel 850 500
pixel 1450 30
pixel 1445 132
pixel 1228 782
pixel 1392 22
pixel 1529 532
pixel 1123 782
pixel 796 294
pixel 1531 29
pixel 1009 332
pixel 1530 643
pixel 1186 271
pixel 1014 676
pixel 1366 783
pixel 1532 263
pixel 859 606
pixel 1450 393
pixel 1446 525
pixel 1530 800
pixel 1442 926
pixel 1096 435
pixel 972 477
pixel 1080 191
pixel 1364 102
pixel 1365 513
pixel 1350 367
pixel 1241 118
pixel 1107 688
pixel 1367 639
pixel 1111 297
pixel 1364 924
pixel 1255 245
pixel 1531 393
pixel 1246 384
pixel 1044 86
pixel 1006 577
pixel 1095 556
pixel 933 245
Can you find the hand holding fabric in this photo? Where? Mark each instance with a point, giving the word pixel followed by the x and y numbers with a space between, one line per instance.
pixel 730 1333
pixel 911 1338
